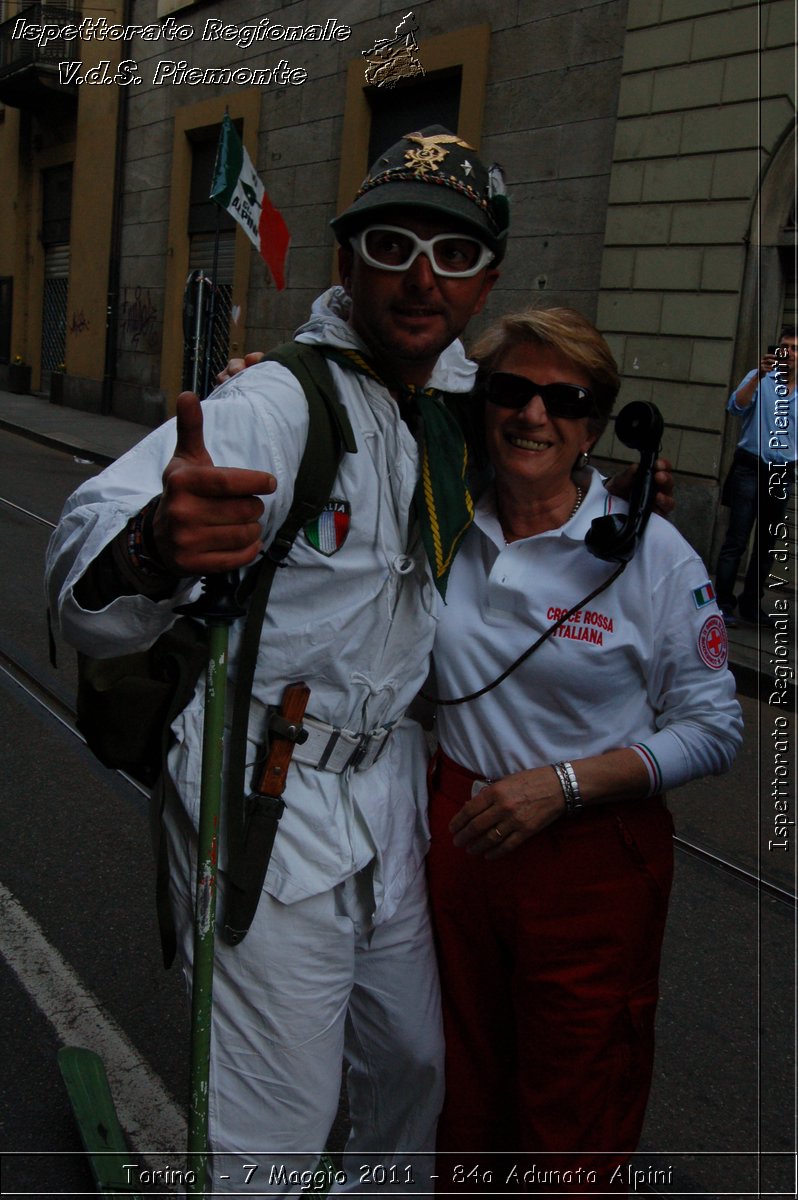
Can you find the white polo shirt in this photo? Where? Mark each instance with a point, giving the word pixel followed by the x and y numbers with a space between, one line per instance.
pixel 642 665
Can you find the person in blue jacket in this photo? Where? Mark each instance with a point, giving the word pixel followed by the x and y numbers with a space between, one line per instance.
pixel 759 483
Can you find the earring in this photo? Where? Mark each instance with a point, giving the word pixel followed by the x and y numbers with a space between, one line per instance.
pixel 583 460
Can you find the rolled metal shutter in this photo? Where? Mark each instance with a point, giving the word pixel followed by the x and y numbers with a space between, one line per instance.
pixel 54 308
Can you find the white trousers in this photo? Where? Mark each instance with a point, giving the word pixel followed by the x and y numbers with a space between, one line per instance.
pixel 313 984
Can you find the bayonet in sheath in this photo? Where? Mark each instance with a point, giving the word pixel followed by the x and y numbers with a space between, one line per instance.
pixel 264 807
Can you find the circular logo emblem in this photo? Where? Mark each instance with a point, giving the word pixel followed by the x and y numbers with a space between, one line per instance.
pixel 713 645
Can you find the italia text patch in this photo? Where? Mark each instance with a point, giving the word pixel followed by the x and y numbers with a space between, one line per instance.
pixel 327 532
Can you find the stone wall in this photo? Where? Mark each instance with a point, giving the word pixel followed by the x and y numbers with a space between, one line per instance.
pixel 707 96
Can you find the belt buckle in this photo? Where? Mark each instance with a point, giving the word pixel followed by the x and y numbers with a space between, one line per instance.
pixel 360 751
pixel 340 751
pixel 370 748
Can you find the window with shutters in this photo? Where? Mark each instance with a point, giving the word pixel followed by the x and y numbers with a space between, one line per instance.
pixel 212 254
pixel 56 221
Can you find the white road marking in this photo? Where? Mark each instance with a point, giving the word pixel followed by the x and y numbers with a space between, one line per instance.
pixel 146 1111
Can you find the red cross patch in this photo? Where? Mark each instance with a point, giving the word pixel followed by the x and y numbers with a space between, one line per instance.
pixel 713 645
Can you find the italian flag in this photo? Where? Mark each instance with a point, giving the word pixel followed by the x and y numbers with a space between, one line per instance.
pixel 703 595
pixel 237 189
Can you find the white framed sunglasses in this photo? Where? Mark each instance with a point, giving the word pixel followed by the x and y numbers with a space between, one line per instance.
pixel 390 248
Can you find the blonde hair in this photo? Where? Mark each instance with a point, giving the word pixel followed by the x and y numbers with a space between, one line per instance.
pixel 566 331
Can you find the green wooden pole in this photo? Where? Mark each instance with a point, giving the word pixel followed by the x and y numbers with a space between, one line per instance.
pixel 205 903
pixel 218 608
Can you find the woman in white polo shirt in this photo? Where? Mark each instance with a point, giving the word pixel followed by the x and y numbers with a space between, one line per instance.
pixel 550 882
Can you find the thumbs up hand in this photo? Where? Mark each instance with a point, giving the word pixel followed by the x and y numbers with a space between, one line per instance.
pixel 207 518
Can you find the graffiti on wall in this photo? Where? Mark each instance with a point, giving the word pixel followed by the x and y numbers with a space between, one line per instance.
pixel 139 319
pixel 78 322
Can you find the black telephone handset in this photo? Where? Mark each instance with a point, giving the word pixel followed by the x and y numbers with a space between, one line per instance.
pixel 614 538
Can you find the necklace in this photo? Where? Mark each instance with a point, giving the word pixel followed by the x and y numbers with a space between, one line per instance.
pixel 580 495
pixel 577 502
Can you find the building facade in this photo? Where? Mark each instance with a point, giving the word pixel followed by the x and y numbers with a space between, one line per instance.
pixel 59 161
pixel 648 148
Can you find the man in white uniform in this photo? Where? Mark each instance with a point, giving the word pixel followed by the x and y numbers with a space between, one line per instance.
pixel 339 959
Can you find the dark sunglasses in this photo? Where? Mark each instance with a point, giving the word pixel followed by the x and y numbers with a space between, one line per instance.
pixel 560 399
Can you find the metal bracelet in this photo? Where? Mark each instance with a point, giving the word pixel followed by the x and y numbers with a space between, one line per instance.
pixel 570 788
pixel 574 782
pixel 565 785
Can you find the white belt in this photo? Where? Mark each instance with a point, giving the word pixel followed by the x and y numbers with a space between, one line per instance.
pixel 328 748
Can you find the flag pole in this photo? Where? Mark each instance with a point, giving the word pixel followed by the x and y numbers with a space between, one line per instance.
pixel 211 321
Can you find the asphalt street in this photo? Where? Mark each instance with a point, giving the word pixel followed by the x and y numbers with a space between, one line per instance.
pixel 76 872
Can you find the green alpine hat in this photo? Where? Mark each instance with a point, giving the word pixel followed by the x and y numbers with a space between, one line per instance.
pixel 435 170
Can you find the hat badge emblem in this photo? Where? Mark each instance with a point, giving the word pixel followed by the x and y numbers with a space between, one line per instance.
pixel 432 151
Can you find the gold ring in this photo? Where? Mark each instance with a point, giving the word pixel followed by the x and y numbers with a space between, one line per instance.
pixel 498 833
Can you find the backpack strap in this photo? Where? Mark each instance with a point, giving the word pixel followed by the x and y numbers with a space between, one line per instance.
pixel 330 435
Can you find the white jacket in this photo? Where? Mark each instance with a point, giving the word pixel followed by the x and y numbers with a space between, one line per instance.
pixel 356 626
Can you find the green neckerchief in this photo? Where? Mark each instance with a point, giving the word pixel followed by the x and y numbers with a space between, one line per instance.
pixel 443 503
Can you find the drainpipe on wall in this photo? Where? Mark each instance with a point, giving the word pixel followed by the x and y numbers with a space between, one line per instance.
pixel 112 300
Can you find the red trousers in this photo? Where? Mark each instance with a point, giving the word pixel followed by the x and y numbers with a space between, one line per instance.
pixel 549 962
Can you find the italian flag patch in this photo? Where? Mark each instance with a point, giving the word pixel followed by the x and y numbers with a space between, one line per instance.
pixel 704 595
pixel 327 532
